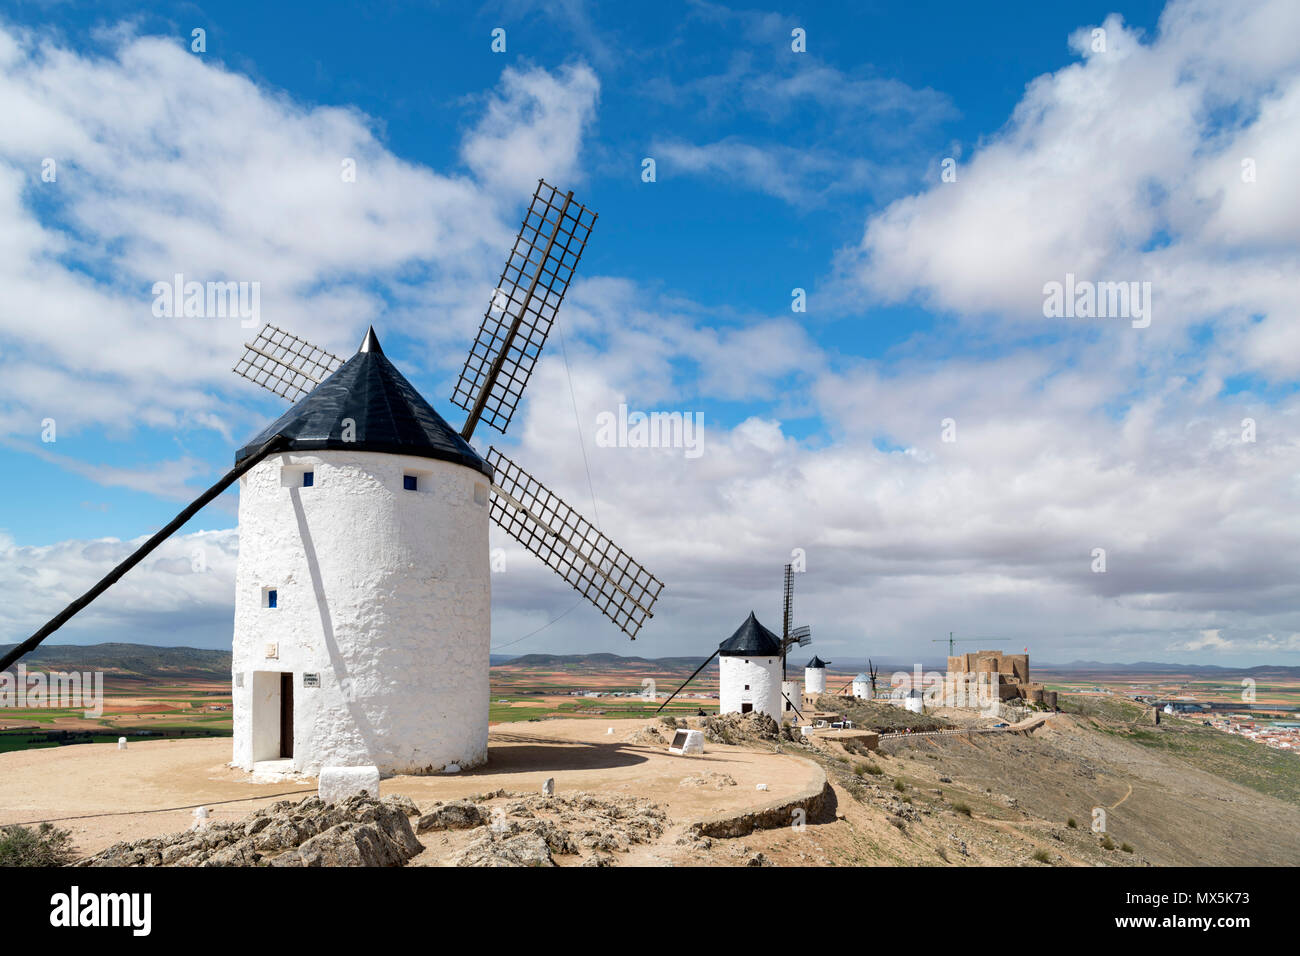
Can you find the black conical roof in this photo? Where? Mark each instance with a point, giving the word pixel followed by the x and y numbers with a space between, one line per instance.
pixel 816 662
pixel 751 639
pixel 389 415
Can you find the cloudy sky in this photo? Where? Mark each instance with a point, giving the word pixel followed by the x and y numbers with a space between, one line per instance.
pixel 947 456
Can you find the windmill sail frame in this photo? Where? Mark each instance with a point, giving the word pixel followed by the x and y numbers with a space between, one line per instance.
pixel 285 364
pixel 518 319
pixel 571 546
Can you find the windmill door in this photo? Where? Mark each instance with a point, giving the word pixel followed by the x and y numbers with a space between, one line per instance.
pixel 286 715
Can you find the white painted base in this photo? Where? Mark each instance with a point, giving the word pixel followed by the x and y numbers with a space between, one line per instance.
pixel 339 783
pixel 282 766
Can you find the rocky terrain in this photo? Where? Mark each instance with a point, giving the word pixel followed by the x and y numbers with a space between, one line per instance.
pixel 358 832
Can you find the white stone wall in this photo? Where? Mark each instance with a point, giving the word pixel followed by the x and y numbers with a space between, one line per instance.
pixel 383 593
pixel 814 680
pixel 763 677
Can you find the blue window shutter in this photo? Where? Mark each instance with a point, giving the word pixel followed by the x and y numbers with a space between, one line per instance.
pixel 271 596
pixel 308 479
pixel 410 482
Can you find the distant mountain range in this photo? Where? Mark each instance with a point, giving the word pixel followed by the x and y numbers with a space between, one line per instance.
pixel 1152 667
pixel 886 666
pixel 140 661
pixel 148 662
pixel 593 661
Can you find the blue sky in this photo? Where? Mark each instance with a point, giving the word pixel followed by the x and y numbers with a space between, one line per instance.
pixel 775 170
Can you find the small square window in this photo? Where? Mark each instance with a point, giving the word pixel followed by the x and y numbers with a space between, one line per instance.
pixel 270 597
pixel 411 482
pixel 308 479
pixel 746 687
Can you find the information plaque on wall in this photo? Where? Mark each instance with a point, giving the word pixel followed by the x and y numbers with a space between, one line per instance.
pixel 311 680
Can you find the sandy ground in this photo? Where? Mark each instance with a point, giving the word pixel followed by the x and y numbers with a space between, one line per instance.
pixel 104 795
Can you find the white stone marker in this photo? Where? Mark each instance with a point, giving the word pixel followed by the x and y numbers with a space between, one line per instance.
pixel 548 788
pixel 338 783
pixel 121 743
pixel 687 742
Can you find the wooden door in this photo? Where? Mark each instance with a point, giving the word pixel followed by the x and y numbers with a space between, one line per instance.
pixel 286 715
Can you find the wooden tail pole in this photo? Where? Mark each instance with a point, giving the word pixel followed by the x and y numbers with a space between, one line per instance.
pixel 108 580
pixel 687 681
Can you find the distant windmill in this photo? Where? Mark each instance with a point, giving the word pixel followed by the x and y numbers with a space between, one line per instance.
pixel 864 685
pixel 363 577
pixel 749 657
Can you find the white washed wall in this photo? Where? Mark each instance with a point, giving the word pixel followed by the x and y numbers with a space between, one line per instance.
pixel 762 674
pixel 384 593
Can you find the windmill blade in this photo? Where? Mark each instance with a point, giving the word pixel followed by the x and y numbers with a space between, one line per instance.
pixel 139 554
pixel 687 681
pixel 787 619
pixel 523 307
pixel 572 546
pixel 285 364
pixel 802 635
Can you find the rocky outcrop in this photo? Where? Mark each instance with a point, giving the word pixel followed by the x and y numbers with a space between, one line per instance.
pixel 709 780
pixel 360 831
pixel 816 803
pixel 457 815
pixel 733 728
pixel 496 849
pixel 531 828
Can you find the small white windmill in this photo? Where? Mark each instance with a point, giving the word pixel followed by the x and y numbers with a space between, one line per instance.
pixel 749 677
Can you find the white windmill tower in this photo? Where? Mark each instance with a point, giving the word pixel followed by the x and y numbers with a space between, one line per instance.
pixel 814 676
pixel 864 685
pixel 751 666
pixel 362 608
pixel 749 671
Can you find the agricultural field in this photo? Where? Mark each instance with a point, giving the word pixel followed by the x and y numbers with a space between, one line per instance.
pixel 134 707
pixel 1276 692
pixel 537 687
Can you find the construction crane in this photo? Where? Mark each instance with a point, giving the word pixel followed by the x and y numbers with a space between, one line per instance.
pixel 965 640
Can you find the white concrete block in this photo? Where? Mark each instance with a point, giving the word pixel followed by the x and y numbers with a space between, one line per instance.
pixel 687 742
pixel 121 743
pixel 338 783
